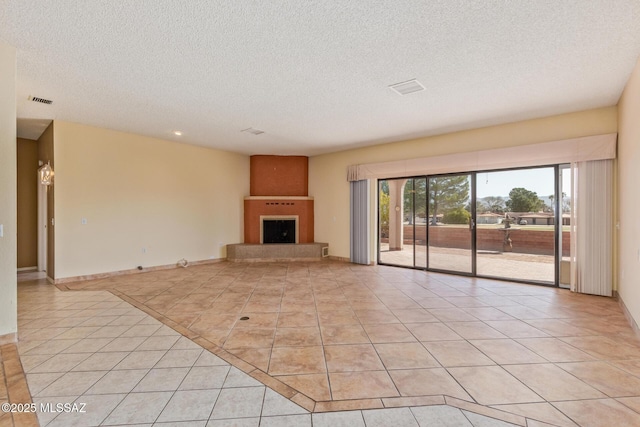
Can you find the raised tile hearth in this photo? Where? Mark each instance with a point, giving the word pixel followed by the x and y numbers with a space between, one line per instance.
pixel 247 252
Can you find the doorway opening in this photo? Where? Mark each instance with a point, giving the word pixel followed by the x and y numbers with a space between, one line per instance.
pixel 42 226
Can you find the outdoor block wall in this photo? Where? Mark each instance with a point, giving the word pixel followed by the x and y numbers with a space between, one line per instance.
pixel 539 242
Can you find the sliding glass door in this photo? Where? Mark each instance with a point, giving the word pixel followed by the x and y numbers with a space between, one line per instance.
pixel 563 205
pixel 402 222
pixel 420 222
pixel 450 231
pixel 504 224
pixel 516 224
pixel 396 204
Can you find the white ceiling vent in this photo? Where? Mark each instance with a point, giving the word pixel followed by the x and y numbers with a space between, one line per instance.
pixel 253 131
pixel 41 100
pixel 405 88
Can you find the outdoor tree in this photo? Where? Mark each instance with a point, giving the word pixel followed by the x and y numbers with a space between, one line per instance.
pixel 456 216
pixel 566 202
pixel 420 187
pixel 447 193
pixel 481 207
pixel 523 200
pixel 384 186
pixel 384 208
pixel 407 200
pixel 415 190
pixel 551 206
pixel 494 204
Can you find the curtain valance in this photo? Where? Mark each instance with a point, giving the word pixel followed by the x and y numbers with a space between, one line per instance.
pixel 598 147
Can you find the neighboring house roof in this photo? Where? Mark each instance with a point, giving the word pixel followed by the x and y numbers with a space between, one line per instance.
pixel 537 215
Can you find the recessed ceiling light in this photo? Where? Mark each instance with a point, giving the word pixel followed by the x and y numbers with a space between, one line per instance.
pixel 177 133
pixel 252 131
pixel 405 88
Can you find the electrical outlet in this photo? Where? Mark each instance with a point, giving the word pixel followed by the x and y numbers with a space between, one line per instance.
pixel 83 221
pixel 144 250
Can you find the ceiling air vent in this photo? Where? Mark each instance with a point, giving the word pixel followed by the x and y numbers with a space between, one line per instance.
pixel 405 88
pixel 40 100
pixel 253 131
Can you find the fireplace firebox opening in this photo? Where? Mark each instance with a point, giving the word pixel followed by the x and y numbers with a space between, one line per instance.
pixel 279 229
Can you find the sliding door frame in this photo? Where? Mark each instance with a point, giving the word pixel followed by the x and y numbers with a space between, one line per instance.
pixel 558 232
pixel 473 224
pixel 472 201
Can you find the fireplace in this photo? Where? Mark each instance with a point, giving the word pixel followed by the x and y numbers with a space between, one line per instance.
pixel 278 229
pixel 257 208
pixel 278 213
pixel 279 193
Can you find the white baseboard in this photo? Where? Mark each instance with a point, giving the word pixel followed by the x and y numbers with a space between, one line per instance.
pixel 64 280
pixel 627 314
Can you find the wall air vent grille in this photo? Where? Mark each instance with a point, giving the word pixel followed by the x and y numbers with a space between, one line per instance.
pixel 40 100
pixel 405 88
pixel 253 131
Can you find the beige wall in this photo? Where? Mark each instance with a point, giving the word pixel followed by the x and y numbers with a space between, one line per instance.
pixel 628 196
pixel 27 203
pixel 175 200
pixel 330 189
pixel 8 218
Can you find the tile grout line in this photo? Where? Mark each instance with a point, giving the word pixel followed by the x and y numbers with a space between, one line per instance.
pixel 324 355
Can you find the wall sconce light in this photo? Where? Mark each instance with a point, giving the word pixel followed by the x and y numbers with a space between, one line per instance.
pixel 46 174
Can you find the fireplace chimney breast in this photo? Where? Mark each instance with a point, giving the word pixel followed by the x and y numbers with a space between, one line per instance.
pixel 278 188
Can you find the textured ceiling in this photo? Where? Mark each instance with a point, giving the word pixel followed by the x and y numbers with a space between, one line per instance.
pixel 314 75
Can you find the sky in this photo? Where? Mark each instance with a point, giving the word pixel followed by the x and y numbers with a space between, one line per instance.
pixel 539 180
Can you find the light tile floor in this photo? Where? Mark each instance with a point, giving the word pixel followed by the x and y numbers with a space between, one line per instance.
pixel 329 336
pixel 120 366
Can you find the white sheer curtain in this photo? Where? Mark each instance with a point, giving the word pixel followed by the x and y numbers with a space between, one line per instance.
pixel 360 221
pixel 592 227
